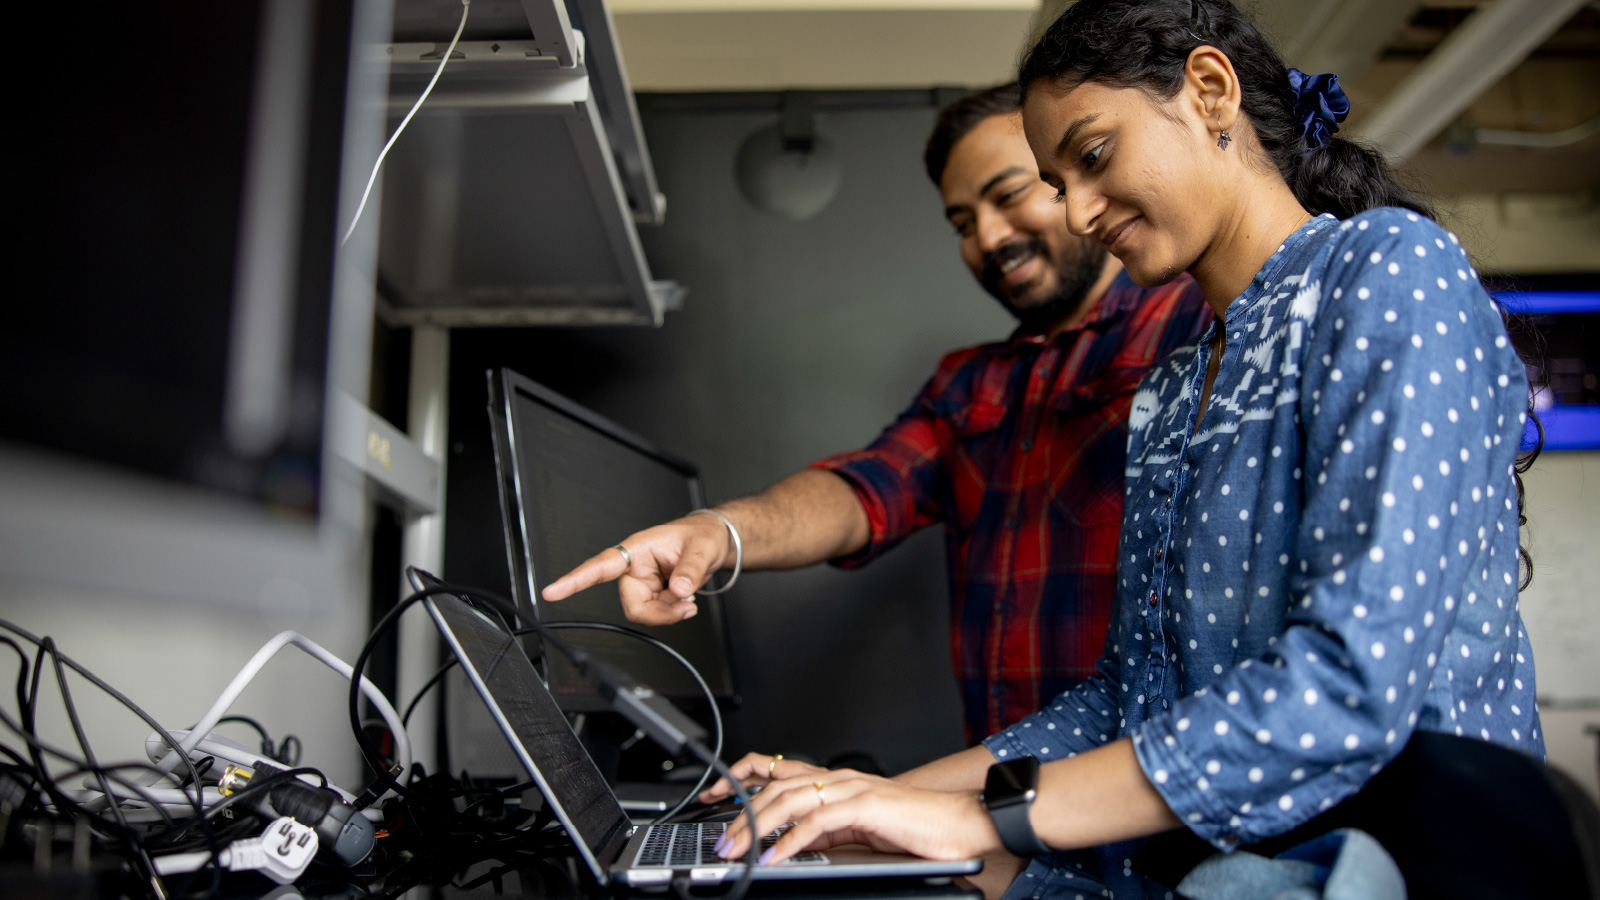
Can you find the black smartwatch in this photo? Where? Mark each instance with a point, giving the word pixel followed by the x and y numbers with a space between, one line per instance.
pixel 1008 793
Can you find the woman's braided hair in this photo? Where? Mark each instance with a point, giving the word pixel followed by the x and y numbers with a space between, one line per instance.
pixel 1145 44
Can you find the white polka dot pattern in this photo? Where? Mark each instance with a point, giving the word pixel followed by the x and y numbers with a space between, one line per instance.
pixel 1329 563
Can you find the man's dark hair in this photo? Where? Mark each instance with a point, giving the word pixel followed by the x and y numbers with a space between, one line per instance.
pixel 960 117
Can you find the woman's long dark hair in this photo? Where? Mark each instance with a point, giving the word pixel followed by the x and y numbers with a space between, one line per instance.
pixel 1146 43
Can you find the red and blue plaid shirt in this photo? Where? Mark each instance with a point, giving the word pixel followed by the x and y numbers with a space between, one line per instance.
pixel 1019 448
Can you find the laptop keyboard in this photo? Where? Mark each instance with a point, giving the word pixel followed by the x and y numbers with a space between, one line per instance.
pixel 695 844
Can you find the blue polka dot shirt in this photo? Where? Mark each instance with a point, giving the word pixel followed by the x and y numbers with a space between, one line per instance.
pixel 1329 562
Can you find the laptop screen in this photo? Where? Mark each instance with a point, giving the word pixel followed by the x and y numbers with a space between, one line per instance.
pixel 523 705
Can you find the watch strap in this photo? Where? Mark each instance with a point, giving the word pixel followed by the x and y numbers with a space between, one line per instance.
pixel 1016 831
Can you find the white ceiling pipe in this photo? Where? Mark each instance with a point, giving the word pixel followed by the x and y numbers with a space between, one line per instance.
pixel 1478 53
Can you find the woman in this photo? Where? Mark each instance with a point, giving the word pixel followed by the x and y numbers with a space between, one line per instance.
pixel 1320 544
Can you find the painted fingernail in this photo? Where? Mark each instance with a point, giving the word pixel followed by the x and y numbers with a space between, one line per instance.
pixel 767 856
pixel 722 845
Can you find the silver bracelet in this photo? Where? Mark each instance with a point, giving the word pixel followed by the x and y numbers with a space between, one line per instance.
pixel 738 552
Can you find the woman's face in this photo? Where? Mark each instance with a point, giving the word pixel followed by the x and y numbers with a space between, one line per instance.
pixel 1133 173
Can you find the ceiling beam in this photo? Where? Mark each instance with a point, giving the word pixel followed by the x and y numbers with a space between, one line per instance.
pixel 1351 37
pixel 627 7
pixel 1478 53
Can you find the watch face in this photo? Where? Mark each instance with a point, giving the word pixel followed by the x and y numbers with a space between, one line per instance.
pixel 1011 781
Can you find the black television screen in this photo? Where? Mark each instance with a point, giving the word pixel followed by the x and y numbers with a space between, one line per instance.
pixel 186 163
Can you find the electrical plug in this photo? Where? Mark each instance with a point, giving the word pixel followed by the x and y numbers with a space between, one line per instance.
pixel 281 853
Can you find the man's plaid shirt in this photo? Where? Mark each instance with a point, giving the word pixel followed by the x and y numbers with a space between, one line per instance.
pixel 1019 449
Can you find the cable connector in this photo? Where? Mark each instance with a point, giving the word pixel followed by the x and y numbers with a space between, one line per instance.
pixel 281 853
pixel 375 790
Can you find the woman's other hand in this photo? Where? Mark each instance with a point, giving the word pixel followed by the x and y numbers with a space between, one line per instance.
pixel 834 807
pixel 757 769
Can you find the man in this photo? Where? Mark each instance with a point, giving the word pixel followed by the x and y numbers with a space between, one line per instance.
pixel 1018 447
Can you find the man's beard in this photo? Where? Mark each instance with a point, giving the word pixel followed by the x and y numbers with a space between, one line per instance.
pixel 1074 276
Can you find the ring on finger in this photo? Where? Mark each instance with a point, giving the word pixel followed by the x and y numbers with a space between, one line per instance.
pixel 626 557
pixel 772 764
pixel 822 795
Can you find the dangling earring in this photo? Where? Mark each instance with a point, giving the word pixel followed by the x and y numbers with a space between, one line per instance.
pixel 1223 140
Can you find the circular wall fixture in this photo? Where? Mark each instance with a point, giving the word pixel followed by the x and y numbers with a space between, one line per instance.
pixel 788 175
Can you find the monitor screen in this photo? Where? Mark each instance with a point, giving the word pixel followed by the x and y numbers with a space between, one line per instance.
pixel 572 484
pixel 186 220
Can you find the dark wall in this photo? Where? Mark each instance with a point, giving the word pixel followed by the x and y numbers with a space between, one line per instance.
pixel 797 340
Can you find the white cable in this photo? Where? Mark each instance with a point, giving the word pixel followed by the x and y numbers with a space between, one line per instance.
pixel 176 800
pixel 402 744
pixel 466 5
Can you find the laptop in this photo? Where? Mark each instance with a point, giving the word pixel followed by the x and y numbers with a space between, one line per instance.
pixel 579 797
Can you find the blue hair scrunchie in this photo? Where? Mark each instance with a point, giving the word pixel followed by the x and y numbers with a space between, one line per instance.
pixel 1320 105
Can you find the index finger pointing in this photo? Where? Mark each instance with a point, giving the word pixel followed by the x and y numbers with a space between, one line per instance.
pixel 607 565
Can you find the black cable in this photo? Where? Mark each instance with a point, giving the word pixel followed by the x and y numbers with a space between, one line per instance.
pixel 500 793
pixel 752 856
pixel 141 859
pixel 266 739
pixel 443 670
pixel 109 772
pixel 509 614
pixel 102 776
pixel 256 786
pixel 384 780
pixel 261 786
pixel 275 752
pixel 693 673
pixel 434 679
pixel 49 645
pixel 28 713
pixel 128 836
pixel 117 695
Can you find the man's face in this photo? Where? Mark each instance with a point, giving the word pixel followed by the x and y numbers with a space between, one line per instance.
pixel 1014 236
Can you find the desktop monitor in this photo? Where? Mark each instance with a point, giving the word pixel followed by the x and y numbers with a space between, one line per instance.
pixel 571 484
pixel 189 172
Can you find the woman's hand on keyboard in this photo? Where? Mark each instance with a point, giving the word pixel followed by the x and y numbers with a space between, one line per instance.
pixel 834 807
pixel 757 769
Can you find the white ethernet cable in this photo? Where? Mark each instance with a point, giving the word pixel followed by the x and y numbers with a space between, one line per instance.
pixel 202 729
pixel 466 6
